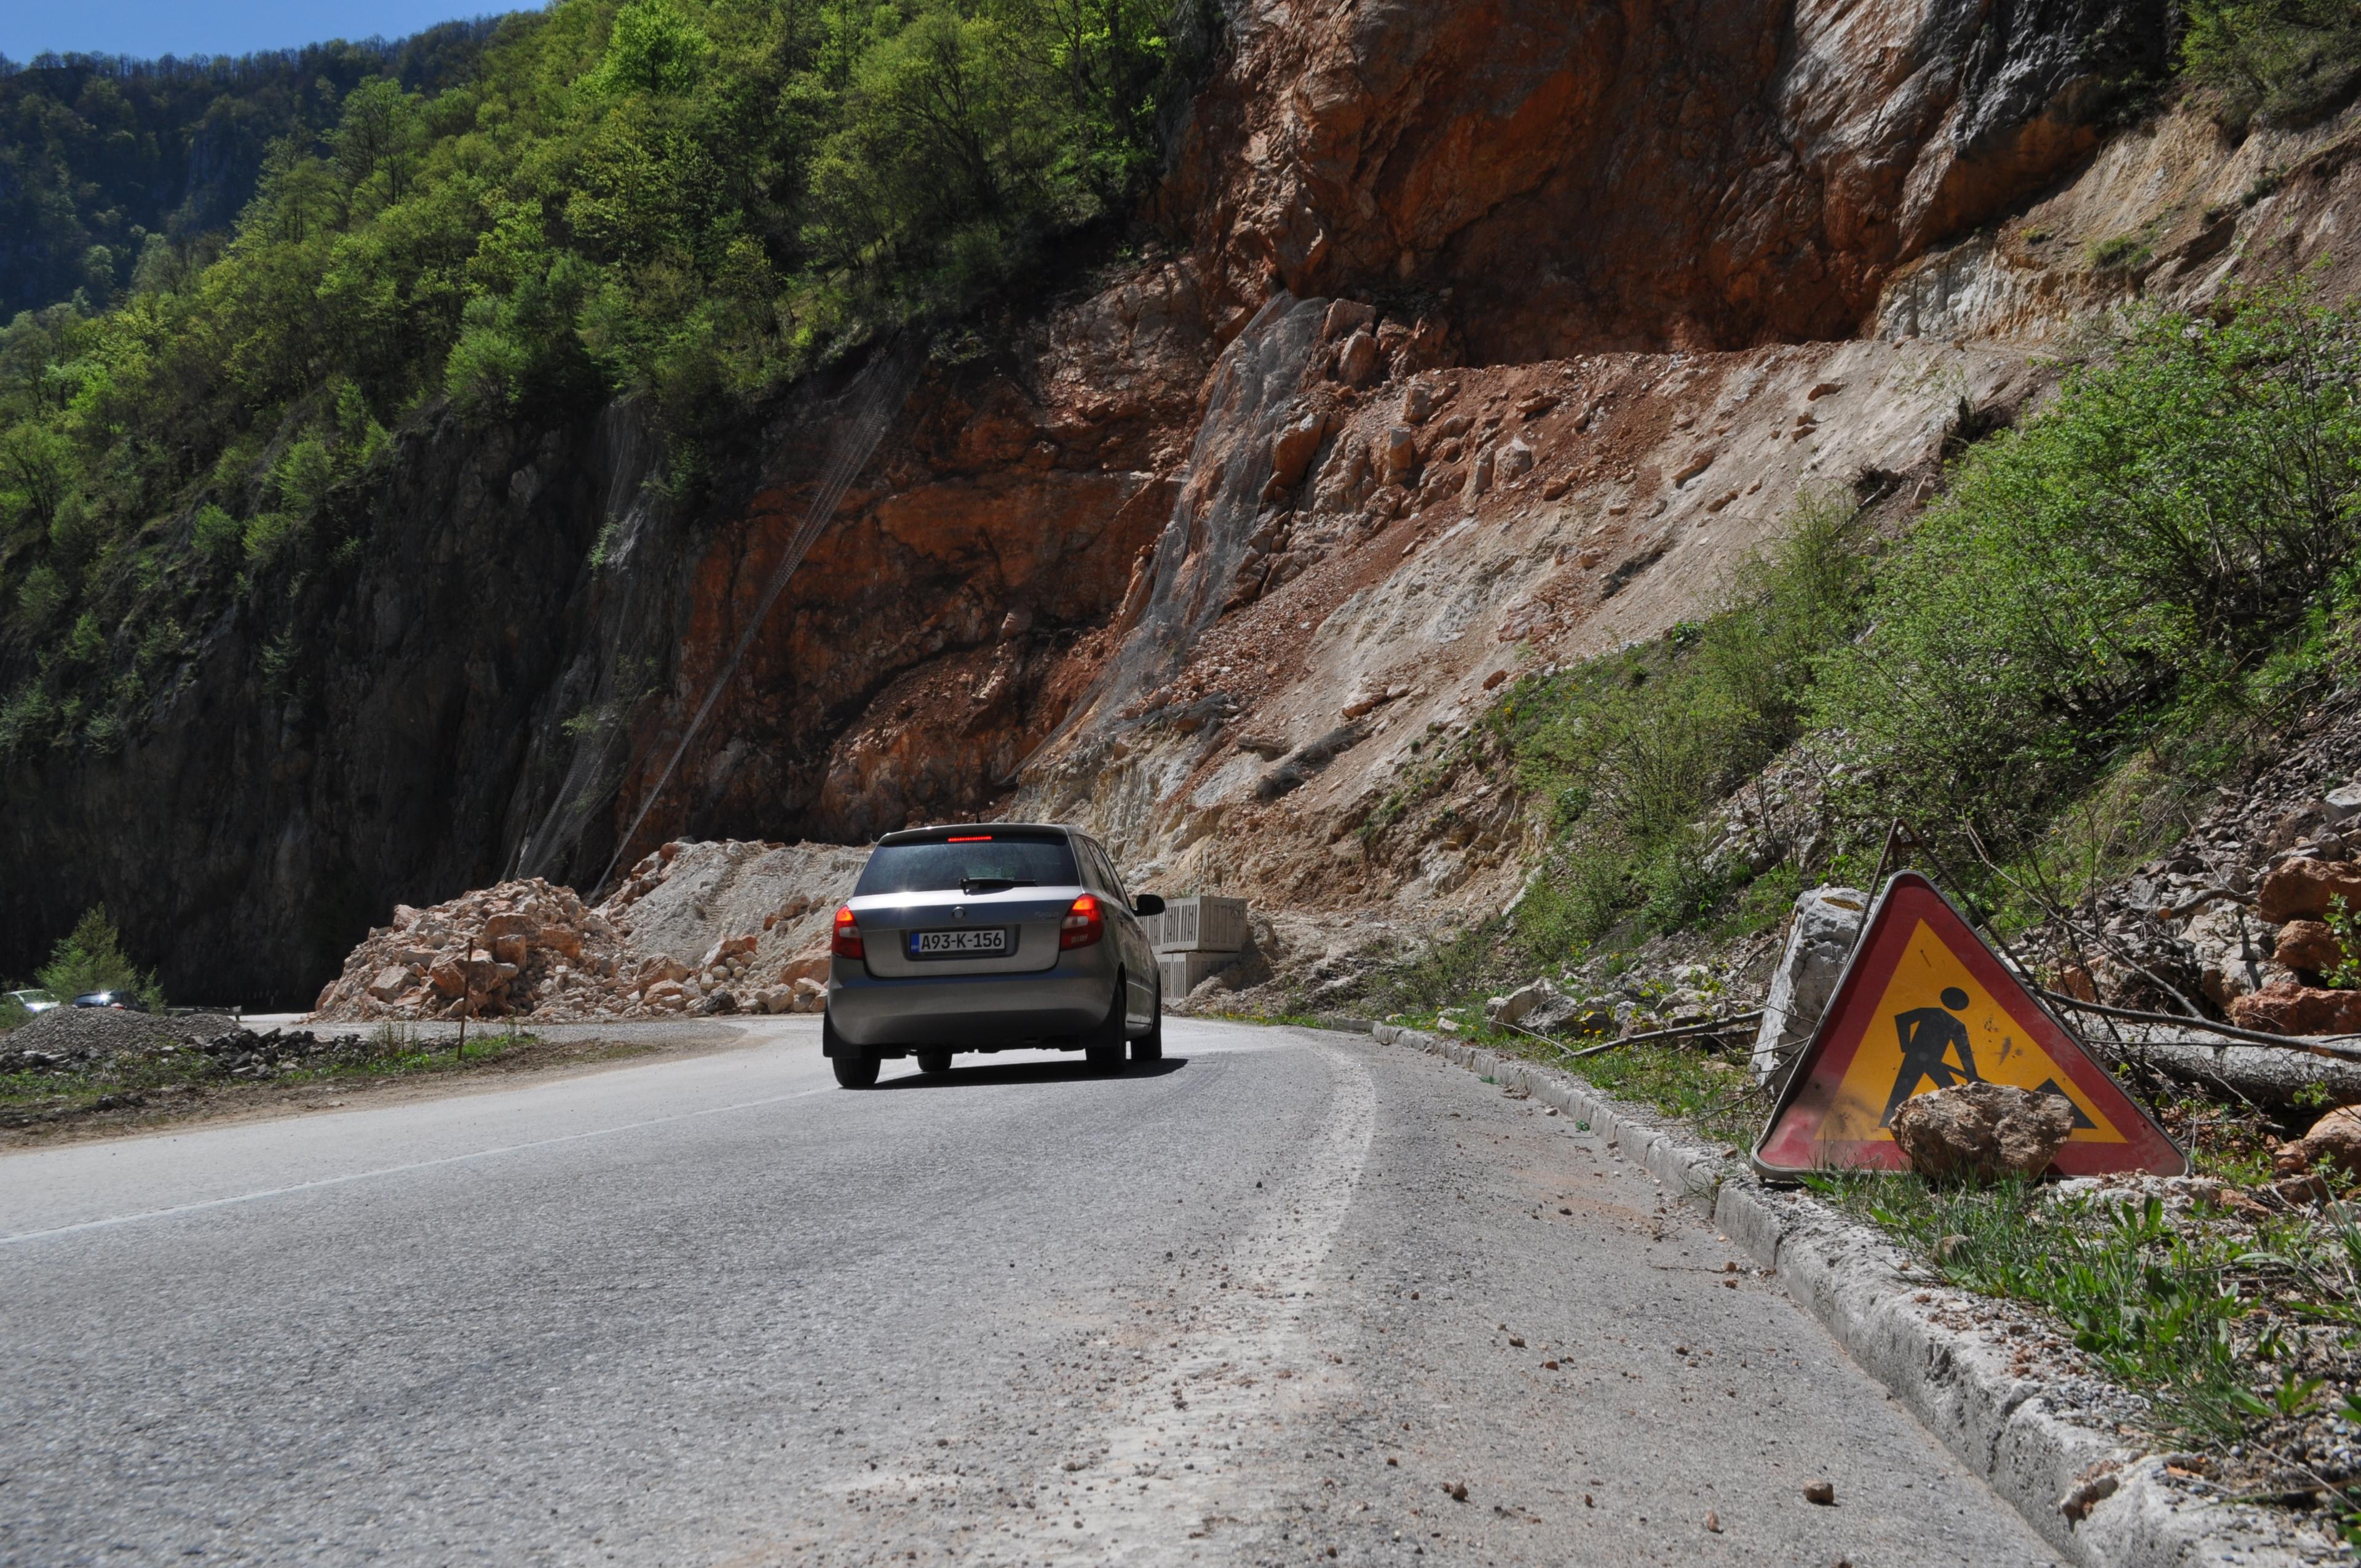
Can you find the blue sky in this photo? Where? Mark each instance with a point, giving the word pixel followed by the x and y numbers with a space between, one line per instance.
pixel 150 27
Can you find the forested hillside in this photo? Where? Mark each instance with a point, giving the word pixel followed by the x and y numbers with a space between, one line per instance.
pixel 688 200
pixel 119 174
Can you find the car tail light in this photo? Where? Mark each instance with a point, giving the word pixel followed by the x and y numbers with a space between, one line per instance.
pixel 845 940
pixel 1083 924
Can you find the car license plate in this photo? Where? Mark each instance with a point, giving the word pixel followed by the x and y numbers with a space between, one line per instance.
pixel 989 942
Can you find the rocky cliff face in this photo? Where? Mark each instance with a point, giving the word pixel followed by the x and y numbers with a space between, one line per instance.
pixel 1625 174
pixel 1479 334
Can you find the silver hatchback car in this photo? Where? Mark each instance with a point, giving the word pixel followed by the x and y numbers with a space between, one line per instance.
pixel 992 936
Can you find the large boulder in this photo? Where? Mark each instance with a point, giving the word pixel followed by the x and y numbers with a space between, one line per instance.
pixel 1983 1132
pixel 1293 448
pixel 1826 920
pixel 2304 889
pixel 1515 1007
pixel 2309 947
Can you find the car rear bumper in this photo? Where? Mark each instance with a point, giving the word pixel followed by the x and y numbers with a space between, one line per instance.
pixel 970 1012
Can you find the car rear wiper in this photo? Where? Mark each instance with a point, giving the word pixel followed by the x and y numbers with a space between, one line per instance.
pixel 971 885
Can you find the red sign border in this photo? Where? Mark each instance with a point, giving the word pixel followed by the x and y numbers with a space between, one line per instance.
pixel 1907 899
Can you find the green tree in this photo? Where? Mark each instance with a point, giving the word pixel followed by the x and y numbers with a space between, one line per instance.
pixel 91 958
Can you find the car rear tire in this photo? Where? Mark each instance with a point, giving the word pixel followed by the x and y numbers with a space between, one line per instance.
pixel 854 1067
pixel 1105 1048
pixel 934 1062
pixel 1150 1045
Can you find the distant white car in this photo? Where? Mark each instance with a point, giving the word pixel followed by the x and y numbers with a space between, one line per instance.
pixel 33 1000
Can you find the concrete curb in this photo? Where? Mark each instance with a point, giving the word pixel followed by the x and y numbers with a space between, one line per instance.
pixel 1957 1382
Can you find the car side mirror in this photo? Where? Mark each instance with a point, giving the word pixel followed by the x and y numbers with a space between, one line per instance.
pixel 1148 904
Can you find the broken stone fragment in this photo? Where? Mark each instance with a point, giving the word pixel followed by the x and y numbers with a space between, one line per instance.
pixel 729 947
pixel 1518 1004
pixel 1360 363
pixel 2304 889
pixel 2335 1137
pixel 2287 1007
pixel 1983 1132
pixel 1292 450
pixel 1400 465
pixel 1827 919
pixel 2309 947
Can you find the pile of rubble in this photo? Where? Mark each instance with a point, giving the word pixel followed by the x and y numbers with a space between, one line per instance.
pixel 74 1036
pixel 728 926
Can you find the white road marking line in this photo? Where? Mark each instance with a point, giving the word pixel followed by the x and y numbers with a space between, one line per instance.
pixel 256 1196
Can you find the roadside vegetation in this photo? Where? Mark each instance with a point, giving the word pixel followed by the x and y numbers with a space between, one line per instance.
pixel 2110 609
pixel 90 958
pixel 164 1077
pixel 686 202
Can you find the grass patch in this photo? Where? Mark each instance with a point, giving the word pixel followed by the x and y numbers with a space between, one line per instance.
pixel 2224 1324
pixel 2122 253
pixel 1710 1091
pixel 161 1074
pixel 1628 752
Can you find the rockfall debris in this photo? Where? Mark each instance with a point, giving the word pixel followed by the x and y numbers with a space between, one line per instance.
pixel 725 927
pixel 1983 1132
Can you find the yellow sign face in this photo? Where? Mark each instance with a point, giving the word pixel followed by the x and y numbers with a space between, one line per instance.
pixel 1934 1026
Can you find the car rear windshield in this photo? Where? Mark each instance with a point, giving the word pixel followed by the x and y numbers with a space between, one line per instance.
pixel 978 865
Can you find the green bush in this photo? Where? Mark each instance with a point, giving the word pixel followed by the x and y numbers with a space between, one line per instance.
pixel 216 535
pixel 91 958
pixel 2290 62
pixel 2122 570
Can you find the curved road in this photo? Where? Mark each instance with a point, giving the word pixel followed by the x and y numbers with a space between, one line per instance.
pixel 1255 1305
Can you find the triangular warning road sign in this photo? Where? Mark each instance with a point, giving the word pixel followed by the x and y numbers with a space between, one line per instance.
pixel 1922 1005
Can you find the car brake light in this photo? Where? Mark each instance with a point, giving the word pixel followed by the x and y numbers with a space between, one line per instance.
pixel 845 940
pixel 976 839
pixel 1082 924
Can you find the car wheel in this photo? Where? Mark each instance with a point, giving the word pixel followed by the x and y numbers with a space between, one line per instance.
pixel 854 1067
pixel 1150 1045
pixel 1105 1048
pixel 934 1062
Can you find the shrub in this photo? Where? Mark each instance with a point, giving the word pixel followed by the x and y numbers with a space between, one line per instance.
pixel 217 537
pixel 2287 61
pixel 2109 573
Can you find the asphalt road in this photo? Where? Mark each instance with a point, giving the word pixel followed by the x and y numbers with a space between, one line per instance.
pixel 1255 1305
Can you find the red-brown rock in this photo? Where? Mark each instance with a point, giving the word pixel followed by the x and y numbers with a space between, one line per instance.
pixel 2302 889
pixel 2309 947
pixel 2285 1008
pixel 1983 1132
pixel 2335 1137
